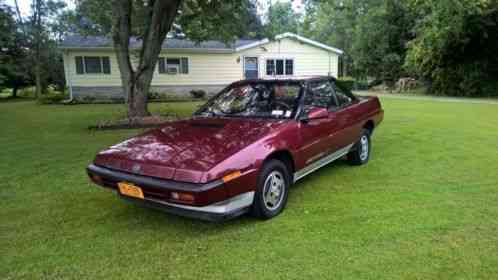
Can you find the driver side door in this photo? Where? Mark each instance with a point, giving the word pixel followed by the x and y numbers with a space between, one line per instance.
pixel 314 133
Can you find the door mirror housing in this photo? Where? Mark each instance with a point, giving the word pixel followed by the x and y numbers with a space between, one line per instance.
pixel 315 114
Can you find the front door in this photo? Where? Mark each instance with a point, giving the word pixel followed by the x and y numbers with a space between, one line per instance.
pixel 250 67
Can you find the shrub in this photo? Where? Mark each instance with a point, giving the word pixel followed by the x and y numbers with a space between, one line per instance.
pixel 200 94
pixel 346 83
pixel 52 98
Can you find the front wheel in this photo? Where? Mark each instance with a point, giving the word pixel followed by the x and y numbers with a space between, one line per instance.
pixel 361 150
pixel 272 191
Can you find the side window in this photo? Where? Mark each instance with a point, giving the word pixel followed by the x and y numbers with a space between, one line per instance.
pixel 343 99
pixel 320 94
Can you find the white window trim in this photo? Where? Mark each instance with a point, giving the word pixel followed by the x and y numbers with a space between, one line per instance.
pixel 83 58
pixel 189 63
pixel 275 66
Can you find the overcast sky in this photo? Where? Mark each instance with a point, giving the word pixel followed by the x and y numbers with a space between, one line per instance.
pixel 24 5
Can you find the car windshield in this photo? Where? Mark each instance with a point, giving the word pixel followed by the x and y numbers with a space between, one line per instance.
pixel 263 99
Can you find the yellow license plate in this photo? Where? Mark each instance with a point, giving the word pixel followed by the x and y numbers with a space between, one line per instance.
pixel 130 190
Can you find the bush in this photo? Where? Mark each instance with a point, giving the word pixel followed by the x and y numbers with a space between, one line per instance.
pixel 346 83
pixel 200 94
pixel 153 95
pixel 52 98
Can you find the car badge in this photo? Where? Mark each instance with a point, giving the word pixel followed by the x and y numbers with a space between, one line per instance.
pixel 136 168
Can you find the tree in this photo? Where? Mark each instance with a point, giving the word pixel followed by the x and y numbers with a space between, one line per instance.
pixel 281 18
pixel 335 23
pixel 380 41
pixel 39 37
pixel 150 21
pixel 13 56
pixel 455 47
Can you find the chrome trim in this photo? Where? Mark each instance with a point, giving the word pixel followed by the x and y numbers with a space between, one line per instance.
pixel 230 205
pixel 321 162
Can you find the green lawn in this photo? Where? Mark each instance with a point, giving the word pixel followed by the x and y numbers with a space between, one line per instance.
pixel 425 207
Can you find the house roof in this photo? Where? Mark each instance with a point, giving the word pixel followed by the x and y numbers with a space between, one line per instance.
pixel 79 42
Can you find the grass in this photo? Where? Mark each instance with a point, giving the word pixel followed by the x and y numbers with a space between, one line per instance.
pixel 425 206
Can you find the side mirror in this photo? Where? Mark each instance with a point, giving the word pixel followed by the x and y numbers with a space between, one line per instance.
pixel 316 113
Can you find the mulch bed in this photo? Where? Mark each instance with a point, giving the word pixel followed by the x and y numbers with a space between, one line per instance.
pixel 133 123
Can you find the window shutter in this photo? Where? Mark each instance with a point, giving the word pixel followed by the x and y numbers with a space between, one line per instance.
pixel 184 65
pixel 162 65
pixel 79 65
pixel 106 65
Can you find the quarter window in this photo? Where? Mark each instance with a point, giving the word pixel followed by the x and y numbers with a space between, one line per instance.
pixel 93 65
pixel 173 65
pixel 343 98
pixel 321 94
pixel 279 67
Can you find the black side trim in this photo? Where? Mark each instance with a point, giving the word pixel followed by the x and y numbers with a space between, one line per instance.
pixel 145 181
pixel 211 217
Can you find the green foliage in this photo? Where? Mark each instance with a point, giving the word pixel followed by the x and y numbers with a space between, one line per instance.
pixel 52 96
pixel 281 18
pixel 14 64
pixel 346 83
pixel 379 45
pixel 455 48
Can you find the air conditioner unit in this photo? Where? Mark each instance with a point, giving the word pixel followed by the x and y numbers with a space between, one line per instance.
pixel 172 70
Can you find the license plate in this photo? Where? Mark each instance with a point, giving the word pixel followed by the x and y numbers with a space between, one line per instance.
pixel 130 190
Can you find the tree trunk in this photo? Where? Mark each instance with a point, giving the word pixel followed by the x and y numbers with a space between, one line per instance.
pixel 136 83
pixel 14 92
pixel 38 80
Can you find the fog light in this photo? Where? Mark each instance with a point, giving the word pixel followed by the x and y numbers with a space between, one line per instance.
pixel 184 197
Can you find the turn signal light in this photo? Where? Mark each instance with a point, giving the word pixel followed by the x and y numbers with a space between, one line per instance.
pixel 231 176
pixel 184 197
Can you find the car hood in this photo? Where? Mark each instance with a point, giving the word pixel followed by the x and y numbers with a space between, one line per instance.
pixel 185 150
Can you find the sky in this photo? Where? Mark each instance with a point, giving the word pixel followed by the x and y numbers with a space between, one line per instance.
pixel 24 5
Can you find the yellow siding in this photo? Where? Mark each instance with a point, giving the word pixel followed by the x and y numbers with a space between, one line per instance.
pixel 213 69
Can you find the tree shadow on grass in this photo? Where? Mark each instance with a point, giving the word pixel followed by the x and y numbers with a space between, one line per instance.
pixel 11 99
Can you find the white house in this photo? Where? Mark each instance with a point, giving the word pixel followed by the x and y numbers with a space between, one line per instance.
pixel 91 68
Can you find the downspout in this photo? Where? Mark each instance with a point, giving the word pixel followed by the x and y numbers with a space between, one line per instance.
pixel 67 74
pixel 330 74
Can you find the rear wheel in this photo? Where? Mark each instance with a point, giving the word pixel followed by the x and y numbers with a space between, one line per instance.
pixel 361 150
pixel 272 191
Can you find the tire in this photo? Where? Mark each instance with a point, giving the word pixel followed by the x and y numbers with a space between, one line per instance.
pixel 360 154
pixel 274 180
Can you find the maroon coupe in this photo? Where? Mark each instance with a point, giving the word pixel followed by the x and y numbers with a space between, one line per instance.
pixel 243 149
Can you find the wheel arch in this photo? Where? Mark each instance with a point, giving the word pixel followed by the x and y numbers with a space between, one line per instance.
pixel 369 125
pixel 284 156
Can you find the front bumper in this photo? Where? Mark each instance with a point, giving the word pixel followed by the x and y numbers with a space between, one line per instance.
pixel 211 203
pixel 217 212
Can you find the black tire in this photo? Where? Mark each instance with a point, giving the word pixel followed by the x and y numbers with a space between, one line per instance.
pixel 357 155
pixel 261 207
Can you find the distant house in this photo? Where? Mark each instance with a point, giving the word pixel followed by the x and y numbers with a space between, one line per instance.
pixel 91 68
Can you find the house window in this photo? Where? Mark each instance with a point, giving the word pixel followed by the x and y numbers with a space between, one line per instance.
pixel 93 65
pixel 173 65
pixel 279 67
